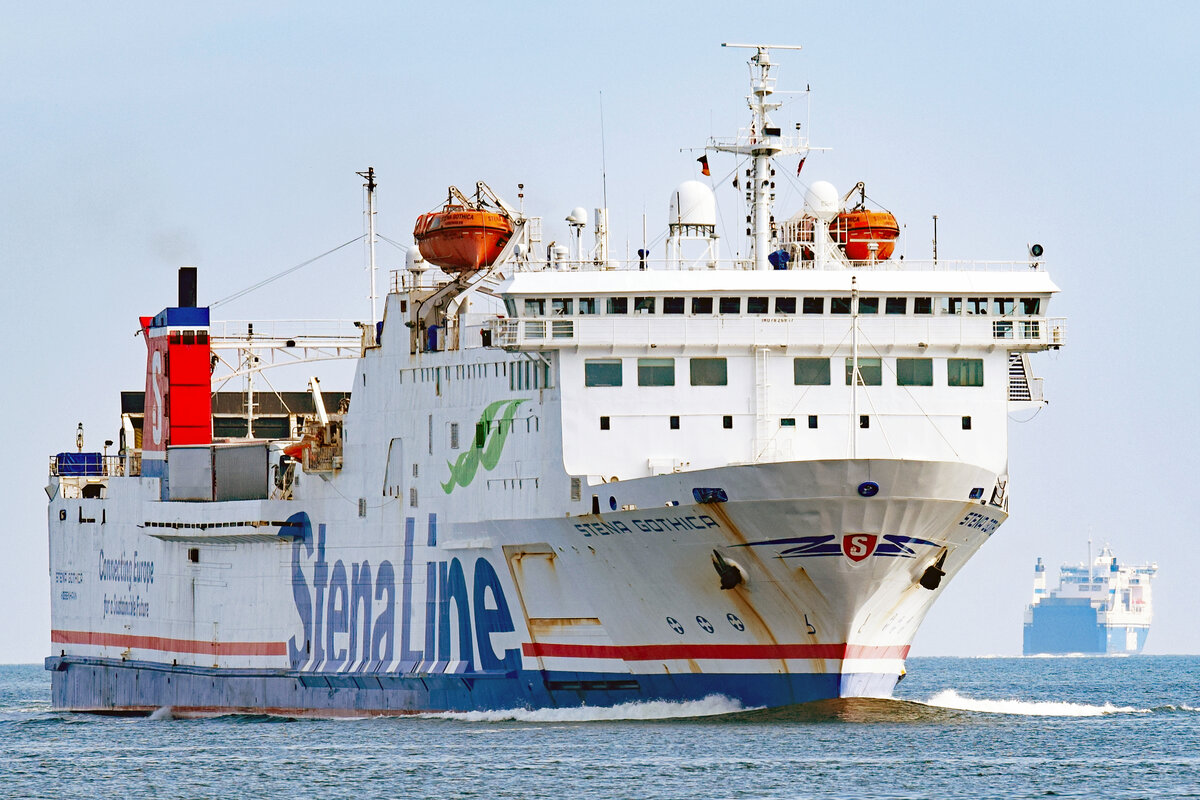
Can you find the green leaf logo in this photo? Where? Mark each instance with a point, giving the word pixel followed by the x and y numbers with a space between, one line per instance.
pixel 497 421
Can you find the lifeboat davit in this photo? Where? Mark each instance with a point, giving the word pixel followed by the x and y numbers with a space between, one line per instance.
pixel 461 239
pixel 854 231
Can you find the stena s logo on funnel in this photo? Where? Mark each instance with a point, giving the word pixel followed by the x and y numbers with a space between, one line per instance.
pixel 859 546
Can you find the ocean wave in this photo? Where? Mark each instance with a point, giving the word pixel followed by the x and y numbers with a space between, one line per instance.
pixel 713 705
pixel 949 698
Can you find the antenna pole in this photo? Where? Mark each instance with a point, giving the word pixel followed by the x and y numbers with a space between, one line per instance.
pixel 935 240
pixel 603 177
pixel 370 184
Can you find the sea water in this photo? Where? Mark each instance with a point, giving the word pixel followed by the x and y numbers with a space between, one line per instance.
pixel 958 728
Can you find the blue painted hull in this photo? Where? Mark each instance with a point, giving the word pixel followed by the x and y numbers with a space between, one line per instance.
pixel 113 686
pixel 1069 626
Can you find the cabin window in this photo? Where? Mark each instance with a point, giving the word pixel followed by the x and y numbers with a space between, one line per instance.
pixel 535 307
pixel 757 305
pixel 1031 306
pixel 588 305
pixel 674 423
pixel 561 306
pixel 922 305
pixel 811 371
pixel 870 371
pixel 727 422
pixel 951 305
pixel 814 305
pixel 868 305
pixel 785 305
pixel 643 305
pixel 864 421
pixel 656 372
pixel 896 305
pixel 914 371
pixel 730 305
pixel 839 305
pixel 673 305
pixel 787 422
pixel 812 420
pixel 602 372
pixel 977 305
pixel 709 372
pixel 702 305
pixel 604 423
pixel 1005 306
pixel 618 305
pixel 964 371
pixel 966 423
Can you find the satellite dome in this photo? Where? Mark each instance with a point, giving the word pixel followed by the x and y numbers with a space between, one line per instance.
pixel 413 260
pixel 822 200
pixel 693 203
pixel 578 216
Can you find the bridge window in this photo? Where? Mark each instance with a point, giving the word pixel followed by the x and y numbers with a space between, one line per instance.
pixel 588 305
pixel 709 372
pixel 731 305
pixel 1031 306
pixel 914 371
pixel 868 305
pixel 643 305
pixel 811 371
pixel 757 305
pixel 618 305
pixel 561 306
pixel 672 305
pixel 1005 306
pixel 896 305
pixel 656 372
pixel 977 305
pixel 922 305
pixel 602 372
pixel 870 371
pixel 702 305
pixel 964 371
pixel 785 305
pixel 951 305
pixel 535 307
pixel 839 305
pixel 814 305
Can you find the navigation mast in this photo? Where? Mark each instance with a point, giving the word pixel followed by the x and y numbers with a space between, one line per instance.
pixel 762 143
pixel 370 184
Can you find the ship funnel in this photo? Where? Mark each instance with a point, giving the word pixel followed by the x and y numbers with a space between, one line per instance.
pixel 187 287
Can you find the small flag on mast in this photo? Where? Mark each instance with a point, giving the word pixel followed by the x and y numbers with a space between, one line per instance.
pixel 704 165
pixel 800 166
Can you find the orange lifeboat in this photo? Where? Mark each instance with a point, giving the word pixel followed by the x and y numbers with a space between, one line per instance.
pixel 462 238
pixel 856 230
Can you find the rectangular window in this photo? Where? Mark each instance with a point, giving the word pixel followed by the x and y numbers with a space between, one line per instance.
pixel 914 371
pixel 672 305
pixel 1005 306
pixel 785 305
pixel 864 421
pixel 702 305
pixel 480 434
pixel 951 305
pixel 964 371
pixel 510 305
pixel 656 372
pixel 618 305
pixel 1031 306
pixel 674 423
pixel 709 372
pixel 839 305
pixel 756 305
pixel 727 421
pixel 896 305
pixel 811 371
pixel 561 306
pixel 787 422
pixel 966 423
pixel 643 305
pixel 602 372
pixel 453 435
pixel 922 305
pixel 870 371
pixel 868 305
pixel 588 305
pixel 812 420
pixel 604 423
pixel 730 305
pixel 814 305
pixel 977 305
pixel 535 307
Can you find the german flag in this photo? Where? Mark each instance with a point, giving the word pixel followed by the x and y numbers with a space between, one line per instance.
pixel 704 165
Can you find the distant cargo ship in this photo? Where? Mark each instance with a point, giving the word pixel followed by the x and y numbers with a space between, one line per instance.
pixel 1102 608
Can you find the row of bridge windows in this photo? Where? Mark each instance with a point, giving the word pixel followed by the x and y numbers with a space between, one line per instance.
pixel 585 306
pixel 806 371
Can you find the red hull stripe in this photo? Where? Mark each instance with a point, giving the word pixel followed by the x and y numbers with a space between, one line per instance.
pixel 169 645
pixel 669 652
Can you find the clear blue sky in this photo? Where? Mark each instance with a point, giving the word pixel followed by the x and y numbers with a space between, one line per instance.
pixel 139 137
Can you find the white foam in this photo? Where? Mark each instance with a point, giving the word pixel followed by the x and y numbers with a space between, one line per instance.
pixel 660 709
pixel 949 698
pixel 163 713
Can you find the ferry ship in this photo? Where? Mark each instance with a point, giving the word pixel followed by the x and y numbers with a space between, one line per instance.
pixel 1100 607
pixel 559 478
